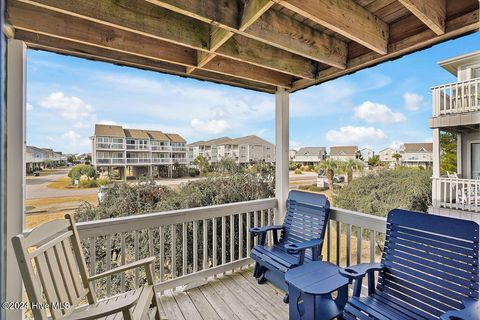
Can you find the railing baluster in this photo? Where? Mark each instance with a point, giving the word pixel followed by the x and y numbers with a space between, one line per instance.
pixel 195 246
pixel 109 263
pixel 249 246
pixel 224 240
pixel 240 235
pixel 255 224
pixel 124 253
pixel 339 240
pixel 205 248
pixel 372 246
pixel 173 249
pixel 329 240
pixel 184 248
pixel 232 238
pixel 262 218
pixel 137 257
pixel 214 241
pixel 93 259
pixel 359 244
pixel 349 240
pixel 162 253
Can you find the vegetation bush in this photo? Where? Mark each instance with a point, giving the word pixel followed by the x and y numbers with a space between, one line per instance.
pixel 312 188
pixel 378 193
pixel 297 171
pixel 89 183
pixel 193 172
pixel 80 170
pixel 292 166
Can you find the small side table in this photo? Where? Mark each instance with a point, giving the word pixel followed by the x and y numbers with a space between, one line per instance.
pixel 310 287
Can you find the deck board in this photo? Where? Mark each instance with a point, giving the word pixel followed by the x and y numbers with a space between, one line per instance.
pixel 233 296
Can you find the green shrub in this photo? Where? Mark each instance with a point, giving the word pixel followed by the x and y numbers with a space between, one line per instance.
pixel 91 183
pixel 102 181
pixel 378 193
pixel 81 169
pixel 297 171
pixel 193 172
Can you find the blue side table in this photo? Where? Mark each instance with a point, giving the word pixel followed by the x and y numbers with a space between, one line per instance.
pixel 310 287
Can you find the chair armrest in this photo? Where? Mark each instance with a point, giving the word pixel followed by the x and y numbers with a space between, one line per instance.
pixel 258 230
pixel 103 310
pixel 358 271
pixel 125 267
pixel 302 246
pixel 470 312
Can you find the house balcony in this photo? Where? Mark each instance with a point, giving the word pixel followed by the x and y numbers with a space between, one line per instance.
pixel 179 149
pixel 138 147
pixel 112 161
pixel 202 268
pixel 456 194
pixel 110 146
pixel 161 148
pixel 456 98
pixel 180 160
pixel 162 161
pixel 142 161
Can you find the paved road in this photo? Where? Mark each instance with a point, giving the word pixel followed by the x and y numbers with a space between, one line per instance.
pixel 306 177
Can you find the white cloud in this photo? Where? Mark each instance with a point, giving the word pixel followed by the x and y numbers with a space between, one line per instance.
pixel 70 141
pixel 29 107
pixel 378 113
pixel 354 135
pixel 211 126
pixel 71 108
pixel 395 145
pixel 296 144
pixel 412 101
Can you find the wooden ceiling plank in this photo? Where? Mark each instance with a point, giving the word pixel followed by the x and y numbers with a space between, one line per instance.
pixel 345 17
pixel 43 21
pixel 430 12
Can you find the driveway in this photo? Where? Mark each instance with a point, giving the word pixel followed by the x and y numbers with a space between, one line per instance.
pixel 37 187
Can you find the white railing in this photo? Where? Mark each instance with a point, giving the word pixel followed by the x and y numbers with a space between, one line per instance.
pixel 162 160
pixel 110 161
pixel 180 160
pixel 138 146
pixel 118 146
pixel 190 245
pixel 179 149
pixel 161 148
pixel 453 193
pixel 454 98
pixel 139 160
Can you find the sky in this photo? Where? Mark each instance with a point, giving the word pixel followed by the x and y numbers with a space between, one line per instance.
pixel 383 106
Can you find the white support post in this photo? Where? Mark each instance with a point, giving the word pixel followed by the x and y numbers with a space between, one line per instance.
pixel 436 153
pixel 3 240
pixel 281 152
pixel 459 155
pixel 15 168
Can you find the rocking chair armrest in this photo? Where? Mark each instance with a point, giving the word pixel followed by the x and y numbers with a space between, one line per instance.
pixel 259 230
pixel 103 310
pixel 302 246
pixel 125 267
pixel 470 312
pixel 360 270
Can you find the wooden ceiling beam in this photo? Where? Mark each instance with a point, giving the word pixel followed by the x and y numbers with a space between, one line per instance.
pixel 345 17
pixel 271 27
pixel 430 12
pixel 146 19
pixel 43 21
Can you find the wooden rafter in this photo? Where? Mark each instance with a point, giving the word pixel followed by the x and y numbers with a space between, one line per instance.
pixel 56 24
pixel 270 27
pixel 345 17
pixel 430 12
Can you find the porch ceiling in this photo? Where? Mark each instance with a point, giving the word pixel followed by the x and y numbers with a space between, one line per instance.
pixel 256 44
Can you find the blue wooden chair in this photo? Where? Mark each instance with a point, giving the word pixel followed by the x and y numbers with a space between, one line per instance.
pixel 429 270
pixel 300 240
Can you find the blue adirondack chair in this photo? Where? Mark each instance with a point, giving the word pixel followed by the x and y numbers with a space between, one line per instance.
pixel 300 240
pixel 429 270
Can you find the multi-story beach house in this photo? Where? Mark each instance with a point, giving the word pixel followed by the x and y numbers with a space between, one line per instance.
pixel 456 109
pixel 365 154
pixel 243 150
pixel 136 152
pixel 343 153
pixel 36 158
pixel 291 154
pixel 310 155
pixel 416 154
pixel 386 155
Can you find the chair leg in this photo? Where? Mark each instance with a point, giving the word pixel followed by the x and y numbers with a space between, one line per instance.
pixel 286 299
pixel 257 272
pixel 261 279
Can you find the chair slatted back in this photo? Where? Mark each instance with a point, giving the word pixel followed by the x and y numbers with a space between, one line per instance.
pixel 306 218
pixel 432 263
pixel 53 267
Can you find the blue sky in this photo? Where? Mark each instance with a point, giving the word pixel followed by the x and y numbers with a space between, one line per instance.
pixel 378 107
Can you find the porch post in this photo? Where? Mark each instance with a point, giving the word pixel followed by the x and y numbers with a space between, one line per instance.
pixel 436 152
pixel 281 152
pixel 15 168
pixel 3 240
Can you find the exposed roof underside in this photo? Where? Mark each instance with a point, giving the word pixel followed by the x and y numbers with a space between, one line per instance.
pixel 256 44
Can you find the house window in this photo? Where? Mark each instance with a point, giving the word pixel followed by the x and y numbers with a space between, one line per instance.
pixel 476 72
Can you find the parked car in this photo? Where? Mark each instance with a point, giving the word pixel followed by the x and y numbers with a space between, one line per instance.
pixel 338 179
pixel 102 191
pixel 36 172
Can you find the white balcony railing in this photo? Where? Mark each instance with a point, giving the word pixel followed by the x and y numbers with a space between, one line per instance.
pixel 179 149
pixel 161 148
pixel 180 160
pixel 138 147
pixel 139 160
pixel 162 161
pixel 110 161
pixel 455 98
pixel 192 245
pixel 109 146
pixel 453 193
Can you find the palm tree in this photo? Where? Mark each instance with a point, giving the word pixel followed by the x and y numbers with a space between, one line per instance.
pixel 329 166
pixel 349 167
pixel 202 164
pixel 396 156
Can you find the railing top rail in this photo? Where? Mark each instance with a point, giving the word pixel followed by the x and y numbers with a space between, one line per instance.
pixel 455 83
pixel 157 219
pixel 358 219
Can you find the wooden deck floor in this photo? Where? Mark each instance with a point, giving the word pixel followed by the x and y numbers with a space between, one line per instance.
pixel 234 296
